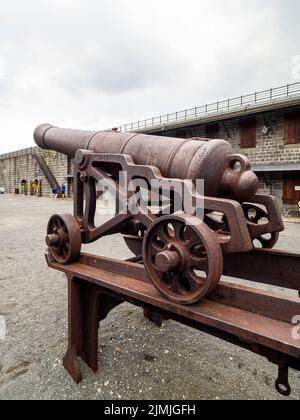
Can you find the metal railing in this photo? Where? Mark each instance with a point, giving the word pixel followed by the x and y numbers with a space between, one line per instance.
pixel 234 104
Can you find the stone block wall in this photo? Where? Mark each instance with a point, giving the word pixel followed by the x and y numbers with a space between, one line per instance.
pixel 21 166
pixel 270 148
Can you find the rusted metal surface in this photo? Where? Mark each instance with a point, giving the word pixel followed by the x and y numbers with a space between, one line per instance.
pixel 92 279
pixel 184 261
pixel 175 158
pixel 180 257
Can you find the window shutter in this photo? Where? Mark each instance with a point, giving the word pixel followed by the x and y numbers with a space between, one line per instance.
pixel 292 126
pixel 248 132
pixel 297 126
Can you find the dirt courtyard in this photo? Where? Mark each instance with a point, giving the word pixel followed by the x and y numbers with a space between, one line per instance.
pixel 137 360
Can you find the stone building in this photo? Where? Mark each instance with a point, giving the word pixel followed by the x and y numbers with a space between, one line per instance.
pixel 264 126
pixel 34 172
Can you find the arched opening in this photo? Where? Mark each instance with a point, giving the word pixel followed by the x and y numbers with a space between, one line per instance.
pixel 24 187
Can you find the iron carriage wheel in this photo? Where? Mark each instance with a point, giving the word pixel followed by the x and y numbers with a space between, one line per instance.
pixel 257 215
pixel 63 238
pixel 182 258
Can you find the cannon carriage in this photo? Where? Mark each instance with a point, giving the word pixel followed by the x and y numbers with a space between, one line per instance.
pixel 181 253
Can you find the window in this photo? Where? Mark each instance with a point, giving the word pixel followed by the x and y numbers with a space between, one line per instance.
pixel 248 132
pixel 290 181
pixel 292 126
pixel 213 131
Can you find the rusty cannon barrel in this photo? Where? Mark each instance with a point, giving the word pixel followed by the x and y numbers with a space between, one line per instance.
pixel 225 174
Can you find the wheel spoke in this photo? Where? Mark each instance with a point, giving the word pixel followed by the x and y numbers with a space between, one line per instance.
pixel 255 219
pixel 176 284
pixel 163 235
pixel 178 229
pixel 264 242
pixel 194 280
pixel 167 279
pixel 65 250
pixel 154 248
pixel 200 263
pixel 193 241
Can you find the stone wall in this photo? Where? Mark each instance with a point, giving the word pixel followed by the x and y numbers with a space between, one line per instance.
pixel 270 149
pixel 15 168
pixel 271 184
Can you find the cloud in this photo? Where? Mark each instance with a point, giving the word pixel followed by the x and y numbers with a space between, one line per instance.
pixel 98 63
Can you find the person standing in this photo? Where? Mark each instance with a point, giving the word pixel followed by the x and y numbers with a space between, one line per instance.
pixel 55 191
pixel 63 191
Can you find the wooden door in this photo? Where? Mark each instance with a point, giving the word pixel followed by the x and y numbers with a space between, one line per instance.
pixel 290 181
pixel 248 132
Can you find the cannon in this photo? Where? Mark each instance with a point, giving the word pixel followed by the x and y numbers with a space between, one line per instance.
pixel 181 254
pixel 230 188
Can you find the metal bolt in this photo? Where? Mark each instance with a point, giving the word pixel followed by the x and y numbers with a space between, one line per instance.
pixel 83 177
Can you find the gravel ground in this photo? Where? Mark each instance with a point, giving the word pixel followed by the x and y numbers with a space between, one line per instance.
pixel 137 359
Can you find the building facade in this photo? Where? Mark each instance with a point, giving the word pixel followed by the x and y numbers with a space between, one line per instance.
pixel 264 126
pixel 20 172
pixel 273 148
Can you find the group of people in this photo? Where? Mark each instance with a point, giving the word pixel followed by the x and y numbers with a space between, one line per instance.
pixel 56 190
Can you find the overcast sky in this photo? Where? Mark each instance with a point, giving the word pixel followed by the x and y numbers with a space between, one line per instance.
pixel 96 64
